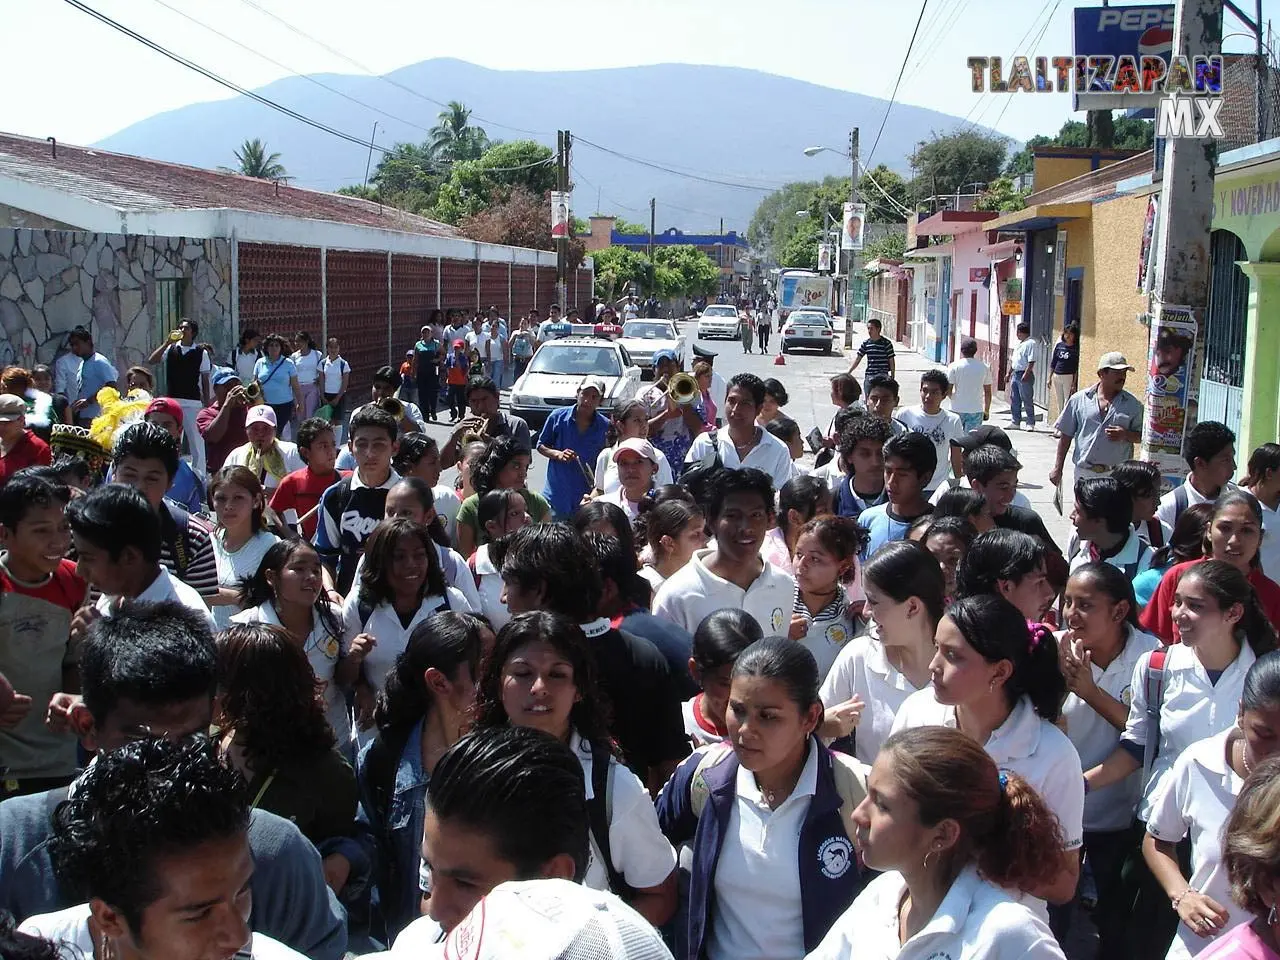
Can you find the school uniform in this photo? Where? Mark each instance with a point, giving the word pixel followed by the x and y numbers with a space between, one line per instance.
pixel 1192 707
pixel 862 669
pixel 166 586
pixel 384 624
pixel 693 592
pixel 764 884
pixel 1195 800
pixel 828 630
pixel 769 455
pixel 638 850
pixel 1173 503
pixel 488 578
pixel 1157 618
pixel 700 731
pixel 236 566
pixel 1133 557
pixel 976 920
pixel 849 503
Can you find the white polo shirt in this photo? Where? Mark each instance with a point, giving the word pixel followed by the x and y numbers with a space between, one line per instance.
pixel 1167 512
pixel 1195 800
pixel 757 912
pixel 975 921
pixel 164 587
pixel 1024 744
pixel 384 624
pixel 490 591
pixel 693 592
pixel 1192 708
pixel 637 846
pixel 863 670
pixel 1111 807
pixel 1269 552
pixel 1134 557
pixel 769 455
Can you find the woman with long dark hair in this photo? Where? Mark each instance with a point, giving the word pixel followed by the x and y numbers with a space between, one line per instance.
pixel 673 530
pixel 241 538
pixel 501 513
pixel 799 501
pixel 504 466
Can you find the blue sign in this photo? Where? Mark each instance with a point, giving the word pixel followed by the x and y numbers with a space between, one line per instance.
pixel 1138 31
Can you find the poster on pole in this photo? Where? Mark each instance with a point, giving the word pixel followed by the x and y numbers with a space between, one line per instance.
pixel 1060 265
pixel 1148 242
pixel 855 219
pixel 1170 362
pixel 824 258
pixel 559 215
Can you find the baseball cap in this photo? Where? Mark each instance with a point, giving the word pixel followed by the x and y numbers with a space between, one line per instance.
pixel 980 436
pixel 637 445
pixel 260 414
pixel 166 405
pixel 459 343
pixel 660 355
pixel 1114 360
pixel 223 375
pixel 11 407
pixel 553 920
pixel 597 382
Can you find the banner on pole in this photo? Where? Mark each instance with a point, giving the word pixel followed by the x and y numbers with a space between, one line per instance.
pixel 855 219
pixel 824 258
pixel 1170 360
pixel 559 215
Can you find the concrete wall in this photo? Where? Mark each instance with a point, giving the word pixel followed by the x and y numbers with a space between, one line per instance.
pixel 967 256
pixel 52 281
pixel 1113 301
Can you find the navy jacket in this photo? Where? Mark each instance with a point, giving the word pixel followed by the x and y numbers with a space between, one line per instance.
pixel 831 875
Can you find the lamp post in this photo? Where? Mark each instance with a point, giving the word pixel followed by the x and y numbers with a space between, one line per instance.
pixel 855 256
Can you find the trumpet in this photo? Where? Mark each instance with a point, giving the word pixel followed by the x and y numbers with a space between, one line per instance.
pixel 392 406
pixel 253 392
pixel 683 388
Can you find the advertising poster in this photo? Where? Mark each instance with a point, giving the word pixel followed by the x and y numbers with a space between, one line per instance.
pixel 559 215
pixel 855 218
pixel 1148 240
pixel 824 258
pixel 1170 360
pixel 1060 265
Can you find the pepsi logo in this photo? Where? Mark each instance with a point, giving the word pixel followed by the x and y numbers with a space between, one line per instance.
pixel 1156 42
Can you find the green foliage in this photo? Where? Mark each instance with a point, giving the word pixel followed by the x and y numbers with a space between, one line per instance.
pixel 801 248
pixel 617 268
pixel 949 163
pixel 474 185
pixel 891 247
pixel 359 190
pixel 683 271
pixel 407 177
pixel 1124 133
pixel 521 219
pixel 256 162
pixel 453 138
pixel 775 218
pixel 626 226
pixel 880 210
pixel 1001 196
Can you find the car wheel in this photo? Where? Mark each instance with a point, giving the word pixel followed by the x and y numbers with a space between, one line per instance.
pixel 826 351
pixel 784 347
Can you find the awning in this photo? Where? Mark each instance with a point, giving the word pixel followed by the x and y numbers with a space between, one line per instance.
pixel 1003 250
pixel 1041 216
pixel 931 253
pixel 950 222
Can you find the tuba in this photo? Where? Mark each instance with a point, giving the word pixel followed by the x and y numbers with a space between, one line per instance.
pixel 683 388
pixel 392 406
pixel 253 393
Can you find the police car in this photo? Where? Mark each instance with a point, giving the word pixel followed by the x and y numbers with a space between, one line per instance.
pixel 559 367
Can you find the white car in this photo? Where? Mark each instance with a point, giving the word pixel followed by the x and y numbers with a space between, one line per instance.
pixel 644 338
pixel 807 328
pixel 718 320
pixel 559 367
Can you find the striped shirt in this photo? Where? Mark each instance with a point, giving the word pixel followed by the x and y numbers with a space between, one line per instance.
pixel 878 353
pixel 828 631
pixel 197 566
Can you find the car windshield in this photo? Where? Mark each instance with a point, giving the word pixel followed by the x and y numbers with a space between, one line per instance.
pixel 647 330
pixel 720 311
pixel 576 360
pixel 813 319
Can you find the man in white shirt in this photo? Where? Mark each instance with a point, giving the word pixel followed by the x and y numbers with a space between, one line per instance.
pixel 188 368
pixel 743 443
pixel 1103 514
pixel 942 427
pixel 1210 452
pixel 1022 376
pixel 970 386
pixel 732 574
pixel 270 458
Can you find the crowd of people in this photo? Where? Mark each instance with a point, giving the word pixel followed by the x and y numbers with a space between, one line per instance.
pixel 695 698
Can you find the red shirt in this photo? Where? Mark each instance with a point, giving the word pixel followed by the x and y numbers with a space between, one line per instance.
pixel 216 451
pixel 301 491
pixel 29 451
pixel 1157 618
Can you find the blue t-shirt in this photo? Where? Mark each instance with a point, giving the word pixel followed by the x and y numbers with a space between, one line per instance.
pixel 187 489
pixel 95 373
pixel 275 390
pixel 567 483
pixel 883 527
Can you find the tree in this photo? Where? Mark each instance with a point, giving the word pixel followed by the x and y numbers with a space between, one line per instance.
pixel 684 271
pixel 775 218
pixel 521 219
pixel 626 226
pixel 619 267
pixel 453 138
pixel 947 164
pixel 1125 133
pixel 880 210
pixel 359 190
pixel 801 249
pixel 1001 196
pixel 407 177
pixel 473 185
pixel 890 247
pixel 256 162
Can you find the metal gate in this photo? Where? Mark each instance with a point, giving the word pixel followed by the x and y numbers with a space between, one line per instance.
pixel 1042 306
pixel 1222 380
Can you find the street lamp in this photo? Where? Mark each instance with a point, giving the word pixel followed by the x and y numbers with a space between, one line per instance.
pixel 855 257
pixel 814 151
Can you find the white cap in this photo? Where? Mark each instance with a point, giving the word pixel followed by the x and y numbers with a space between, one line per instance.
pixel 637 445
pixel 597 382
pixel 260 414
pixel 553 920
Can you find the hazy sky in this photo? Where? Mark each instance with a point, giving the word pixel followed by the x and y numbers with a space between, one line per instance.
pixel 84 81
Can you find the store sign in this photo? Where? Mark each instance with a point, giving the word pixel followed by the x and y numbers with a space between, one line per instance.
pixel 979 274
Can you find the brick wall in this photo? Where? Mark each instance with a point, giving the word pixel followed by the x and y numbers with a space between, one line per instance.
pixel 356 286
pixel 280 288
pixel 413 297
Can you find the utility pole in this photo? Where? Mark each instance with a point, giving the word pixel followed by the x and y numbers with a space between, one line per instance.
pixel 370 157
pixel 653 224
pixel 1182 262
pixel 855 256
pixel 562 243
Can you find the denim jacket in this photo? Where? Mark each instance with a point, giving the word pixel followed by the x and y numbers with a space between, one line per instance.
pixel 395 823
pixel 831 876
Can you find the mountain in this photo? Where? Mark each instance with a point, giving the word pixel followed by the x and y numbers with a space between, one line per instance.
pixel 724 123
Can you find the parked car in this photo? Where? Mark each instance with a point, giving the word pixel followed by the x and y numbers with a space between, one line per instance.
pixel 718 320
pixel 644 338
pixel 808 328
pixel 559 366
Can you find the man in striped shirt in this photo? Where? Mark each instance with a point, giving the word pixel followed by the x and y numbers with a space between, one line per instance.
pixel 878 352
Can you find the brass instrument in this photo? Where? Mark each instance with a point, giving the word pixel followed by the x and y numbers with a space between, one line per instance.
pixel 683 388
pixel 392 406
pixel 473 429
pixel 253 393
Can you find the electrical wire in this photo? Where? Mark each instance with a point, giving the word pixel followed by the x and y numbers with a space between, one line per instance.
pixel 1039 37
pixel 657 166
pixel 902 208
pixel 894 96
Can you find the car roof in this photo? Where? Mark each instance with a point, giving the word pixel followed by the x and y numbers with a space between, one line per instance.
pixel 580 341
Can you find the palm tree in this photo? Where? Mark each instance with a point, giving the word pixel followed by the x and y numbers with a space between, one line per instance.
pixel 454 138
pixel 256 162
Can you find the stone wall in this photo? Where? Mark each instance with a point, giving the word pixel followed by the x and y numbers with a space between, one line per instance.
pixel 53 280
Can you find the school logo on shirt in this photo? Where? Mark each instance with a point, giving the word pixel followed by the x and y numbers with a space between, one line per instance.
pixel 834 857
pixel 329 647
pixel 776 619
pixel 837 634
pixel 1126 696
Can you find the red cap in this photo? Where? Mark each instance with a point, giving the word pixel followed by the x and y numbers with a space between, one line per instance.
pixel 166 405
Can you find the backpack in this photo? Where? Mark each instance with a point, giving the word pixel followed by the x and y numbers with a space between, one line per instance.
pixel 600 815
pixel 1153 687
pixel 850 777
pixel 180 517
pixel 1180 502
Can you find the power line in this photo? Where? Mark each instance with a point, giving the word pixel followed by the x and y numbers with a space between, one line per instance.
pixel 902 208
pixel 665 169
pixel 1035 45
pixel 889 107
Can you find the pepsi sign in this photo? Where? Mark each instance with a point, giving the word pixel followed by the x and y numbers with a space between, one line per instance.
pixel 1139 31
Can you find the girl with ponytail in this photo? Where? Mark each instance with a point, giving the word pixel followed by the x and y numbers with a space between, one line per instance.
pixel 998 680
pixel 954 835
pixel 422 711
pixel 829 593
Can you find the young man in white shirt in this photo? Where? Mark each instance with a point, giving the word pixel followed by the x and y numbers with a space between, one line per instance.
pixel 970 386
pixel 732 574
pixel 942 427
pixel 1210 452
pixel 743 443
pixel 1103 514
pixel 117 538
pixel 1022 379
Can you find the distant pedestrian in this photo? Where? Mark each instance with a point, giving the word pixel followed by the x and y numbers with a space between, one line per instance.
pixel 1064 365
pixel 877 350
pixel 744 330
pixel 764 326
pixel 970 386
pixel 1022 379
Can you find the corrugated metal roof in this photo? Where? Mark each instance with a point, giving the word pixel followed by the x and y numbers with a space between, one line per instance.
pixel 138 184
